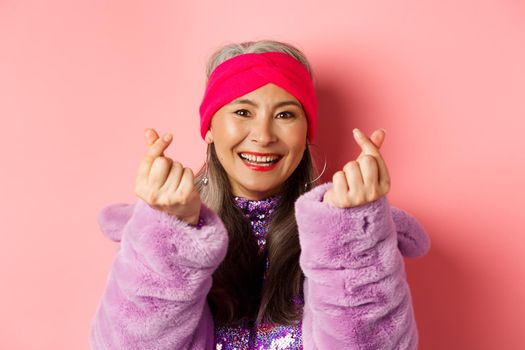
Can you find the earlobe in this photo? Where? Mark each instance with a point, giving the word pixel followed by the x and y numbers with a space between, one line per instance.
pixel 208 137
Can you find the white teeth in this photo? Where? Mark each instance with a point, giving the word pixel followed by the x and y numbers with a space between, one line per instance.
pixel 264 159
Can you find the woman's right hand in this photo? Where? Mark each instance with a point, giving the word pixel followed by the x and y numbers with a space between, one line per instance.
pixel 164 184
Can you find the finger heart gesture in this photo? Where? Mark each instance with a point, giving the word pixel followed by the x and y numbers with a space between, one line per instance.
pixel 165 184
pixel 363 180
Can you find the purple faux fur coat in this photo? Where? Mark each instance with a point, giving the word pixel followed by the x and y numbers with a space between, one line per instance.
pixel 356 293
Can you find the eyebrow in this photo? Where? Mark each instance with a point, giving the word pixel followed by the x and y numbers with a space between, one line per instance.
pixel 280 104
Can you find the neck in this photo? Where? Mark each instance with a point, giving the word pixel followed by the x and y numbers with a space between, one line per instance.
pixel 255 195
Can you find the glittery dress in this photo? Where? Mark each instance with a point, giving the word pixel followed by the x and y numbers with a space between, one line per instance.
pixel 261 336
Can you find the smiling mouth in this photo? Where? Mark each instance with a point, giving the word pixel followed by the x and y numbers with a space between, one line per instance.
pixel 267 160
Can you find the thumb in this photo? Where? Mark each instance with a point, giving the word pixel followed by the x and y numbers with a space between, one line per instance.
pixel 150 135
pixel 378 137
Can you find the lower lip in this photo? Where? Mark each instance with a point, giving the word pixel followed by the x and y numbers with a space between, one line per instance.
pixel 260 167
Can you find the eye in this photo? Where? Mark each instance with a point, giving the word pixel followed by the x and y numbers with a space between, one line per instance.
pixel 241 112
pixel 285 115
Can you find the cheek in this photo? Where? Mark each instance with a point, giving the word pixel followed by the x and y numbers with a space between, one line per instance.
pixel 227 129
pixel 226 135
pixel 298 155
pixel 296 139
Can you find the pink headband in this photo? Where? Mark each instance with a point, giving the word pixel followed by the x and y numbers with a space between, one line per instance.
pixel 241 74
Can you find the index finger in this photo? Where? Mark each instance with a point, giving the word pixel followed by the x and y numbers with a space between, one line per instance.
pixel 377 138
pixel 368 147
pixel 156 149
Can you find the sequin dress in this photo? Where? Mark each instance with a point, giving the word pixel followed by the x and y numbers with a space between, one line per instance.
pixel 261 336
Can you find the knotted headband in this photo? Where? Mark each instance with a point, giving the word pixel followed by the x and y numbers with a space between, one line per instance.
pixel 241 74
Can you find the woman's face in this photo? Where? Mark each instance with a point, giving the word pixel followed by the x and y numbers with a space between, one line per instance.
pixel 260 139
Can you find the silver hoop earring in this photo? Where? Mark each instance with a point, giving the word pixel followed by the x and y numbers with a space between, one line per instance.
pixel 205 177
pixel 322 171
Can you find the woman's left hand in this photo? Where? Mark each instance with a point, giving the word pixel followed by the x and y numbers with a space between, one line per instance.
pixel 363 180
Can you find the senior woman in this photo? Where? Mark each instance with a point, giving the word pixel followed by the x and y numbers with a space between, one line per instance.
pixel 251 253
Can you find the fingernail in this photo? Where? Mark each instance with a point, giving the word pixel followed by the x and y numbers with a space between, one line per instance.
pixel 383 130
pixel 167 137
pixel 357 132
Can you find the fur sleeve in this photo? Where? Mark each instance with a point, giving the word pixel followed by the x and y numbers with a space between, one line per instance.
pixel 356 293
pixel 155 297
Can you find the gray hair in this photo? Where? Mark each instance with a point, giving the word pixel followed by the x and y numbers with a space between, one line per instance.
pixel 234 49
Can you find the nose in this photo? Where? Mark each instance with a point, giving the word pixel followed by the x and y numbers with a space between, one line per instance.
pixel 263 132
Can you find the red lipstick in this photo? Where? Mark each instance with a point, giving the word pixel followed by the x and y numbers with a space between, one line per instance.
pixel 258 167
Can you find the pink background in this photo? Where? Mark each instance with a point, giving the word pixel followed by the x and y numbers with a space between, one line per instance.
pixel 81 80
